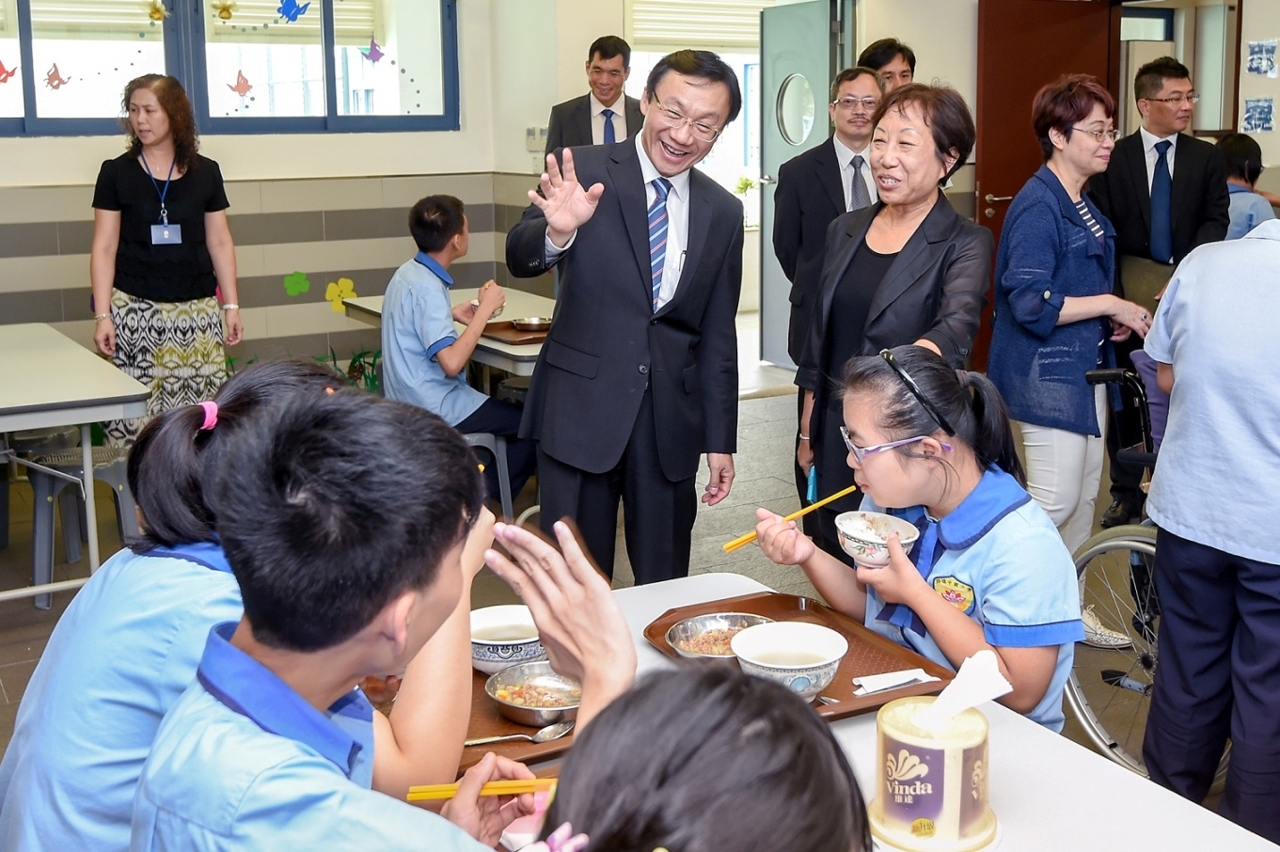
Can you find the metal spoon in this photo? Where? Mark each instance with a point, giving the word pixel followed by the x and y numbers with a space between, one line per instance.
pixel 544 735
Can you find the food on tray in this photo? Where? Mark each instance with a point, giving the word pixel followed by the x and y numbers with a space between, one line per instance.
pixel 540 695
pixel 711 643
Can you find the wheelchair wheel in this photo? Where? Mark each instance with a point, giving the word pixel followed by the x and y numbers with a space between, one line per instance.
pixel 1109 690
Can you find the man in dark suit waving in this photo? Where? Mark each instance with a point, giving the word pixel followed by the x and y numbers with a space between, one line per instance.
pixel 604 115
pixel 638 376
pixel 1166 193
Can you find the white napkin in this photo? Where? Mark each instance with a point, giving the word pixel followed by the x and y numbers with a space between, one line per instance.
pixel 867 684
pixel 978 680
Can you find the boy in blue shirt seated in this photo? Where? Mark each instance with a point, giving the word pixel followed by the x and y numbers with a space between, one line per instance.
pixel 423 357
pixel 344 519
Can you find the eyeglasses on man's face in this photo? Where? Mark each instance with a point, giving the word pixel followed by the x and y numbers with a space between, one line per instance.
pixel 850 103
pixel 1189 98
pixel 1100 135
pixel 860 453
pixel 676 120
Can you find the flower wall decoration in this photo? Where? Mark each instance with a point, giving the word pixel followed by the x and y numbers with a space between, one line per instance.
pixel 343 288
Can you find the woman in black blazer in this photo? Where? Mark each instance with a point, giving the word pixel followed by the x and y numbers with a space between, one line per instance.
pixel 906 270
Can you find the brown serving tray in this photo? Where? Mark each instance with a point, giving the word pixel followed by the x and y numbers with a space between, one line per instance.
pixel 869 653
pixel 508 333
pixel 485 722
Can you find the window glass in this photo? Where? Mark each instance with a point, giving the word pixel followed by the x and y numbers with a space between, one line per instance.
pixel 10 61
pixel 263 58
pixel 85 54
pixel 388 57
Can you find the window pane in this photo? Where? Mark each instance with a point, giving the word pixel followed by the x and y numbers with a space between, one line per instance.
pixel 388 57
pixel 85 53
pixel 10 74
pixel 264 58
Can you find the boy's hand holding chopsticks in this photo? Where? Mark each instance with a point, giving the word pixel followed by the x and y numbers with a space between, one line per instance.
pixel 484 817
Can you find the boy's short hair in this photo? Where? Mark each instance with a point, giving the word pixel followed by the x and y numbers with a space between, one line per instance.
pixel 336 504
pixel 435 220
pixel 1243 155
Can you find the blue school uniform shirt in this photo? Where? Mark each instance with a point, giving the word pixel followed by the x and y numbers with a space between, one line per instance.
pixel 124 651
pixel 242 762
pixel 1247 211
pixel 1000 560
pixel 417 322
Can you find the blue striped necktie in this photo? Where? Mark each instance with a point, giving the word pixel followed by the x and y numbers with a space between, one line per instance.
pixel 658 234
pixel 610 135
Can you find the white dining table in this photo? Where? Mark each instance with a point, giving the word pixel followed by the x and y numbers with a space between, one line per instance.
pixel 1048 793
pixel 50 380
pixel 518 360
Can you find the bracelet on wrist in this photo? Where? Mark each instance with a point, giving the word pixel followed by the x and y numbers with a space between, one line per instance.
pixel 231 307
pixel 803 437
pixel 101 317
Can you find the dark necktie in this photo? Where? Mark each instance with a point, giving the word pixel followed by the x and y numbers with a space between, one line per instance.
pixel 859 196
pixel 658 234
pixel 610 136
pixel 1162 205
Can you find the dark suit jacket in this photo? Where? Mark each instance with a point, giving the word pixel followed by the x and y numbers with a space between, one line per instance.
pixel 809 195
pixel 1201 203
pixel 570 123
pixel 933 290
pixel 606 344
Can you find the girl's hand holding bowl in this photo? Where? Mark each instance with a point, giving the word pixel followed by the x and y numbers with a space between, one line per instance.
pixel 897 580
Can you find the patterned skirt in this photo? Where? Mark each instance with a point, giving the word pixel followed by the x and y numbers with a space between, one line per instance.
pixel 174 348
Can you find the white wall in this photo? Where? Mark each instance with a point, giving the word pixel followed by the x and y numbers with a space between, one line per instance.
pixel 1260 21
pixel 943 34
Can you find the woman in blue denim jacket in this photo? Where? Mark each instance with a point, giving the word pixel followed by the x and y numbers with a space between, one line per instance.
pixel 1055 315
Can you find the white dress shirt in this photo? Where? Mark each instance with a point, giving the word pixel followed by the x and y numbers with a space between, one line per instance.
pixel 844 156
pixel 597 119
pixel 1149 141
pixel 677 225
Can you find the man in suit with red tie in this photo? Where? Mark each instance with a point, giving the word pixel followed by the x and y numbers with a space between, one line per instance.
pixel 638 377
pixel 814 188
pixel 604 115
pixel 1166 193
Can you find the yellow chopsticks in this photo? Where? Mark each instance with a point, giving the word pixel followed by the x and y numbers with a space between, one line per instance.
pixel 743 540
pixel 436 792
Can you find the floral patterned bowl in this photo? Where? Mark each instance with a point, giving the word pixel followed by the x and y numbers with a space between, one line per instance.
pixel 503 636
pixel 863 535
pixel 802 657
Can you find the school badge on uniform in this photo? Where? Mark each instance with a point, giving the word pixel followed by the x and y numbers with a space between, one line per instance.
pixel 958 594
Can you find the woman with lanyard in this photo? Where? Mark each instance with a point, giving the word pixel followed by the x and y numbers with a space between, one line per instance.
pixel 161 251
pixel 933 445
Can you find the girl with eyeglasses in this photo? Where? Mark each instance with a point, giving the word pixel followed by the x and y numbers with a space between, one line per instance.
pixel 933 445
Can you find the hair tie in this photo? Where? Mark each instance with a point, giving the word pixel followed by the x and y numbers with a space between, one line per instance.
pixel 561 840
pixel 210 415
pixel 964 377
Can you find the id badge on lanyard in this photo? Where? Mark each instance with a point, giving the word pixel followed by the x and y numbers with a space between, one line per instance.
pixel 163 234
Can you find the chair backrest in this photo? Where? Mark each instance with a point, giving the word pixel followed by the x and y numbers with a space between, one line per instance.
pixel 1157 400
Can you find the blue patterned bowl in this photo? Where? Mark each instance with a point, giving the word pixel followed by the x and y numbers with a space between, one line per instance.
pixel 802 657
pixel 503 636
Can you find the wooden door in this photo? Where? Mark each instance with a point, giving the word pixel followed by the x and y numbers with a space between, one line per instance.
pixel 1023 44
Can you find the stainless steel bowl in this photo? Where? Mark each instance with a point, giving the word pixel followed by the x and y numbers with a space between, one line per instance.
pixel 690 628
pixel 538 674
pixel 532 323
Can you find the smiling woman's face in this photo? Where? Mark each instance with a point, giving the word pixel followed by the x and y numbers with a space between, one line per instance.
pixel 904 159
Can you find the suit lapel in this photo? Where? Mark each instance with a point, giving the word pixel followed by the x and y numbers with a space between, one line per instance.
pixel 1184 169
pixel 583 119
pixel 628 185
pixel 916 257
pixel 1136 160
pixel 699 206
pixel 859 222
pixel 827 169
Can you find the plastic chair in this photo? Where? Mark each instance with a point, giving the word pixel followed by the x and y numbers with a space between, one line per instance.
pixel 32 442
pixel 497 447
pixel 109 465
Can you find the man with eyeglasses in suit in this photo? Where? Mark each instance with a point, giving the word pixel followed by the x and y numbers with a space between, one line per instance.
pixel 1165 193
pixel 813 189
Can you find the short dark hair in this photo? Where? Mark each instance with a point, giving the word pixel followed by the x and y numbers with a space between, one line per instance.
pixel 335 505
pixel 968 401
pixel 706 757
pixel 435 220
pixel 848 75
pixel 1243 156
pixel 1059 105
pixel 698 63
pixel 880 53
pixel 946 114
pixel 1150 78
pixel 608 47
pixel 172 462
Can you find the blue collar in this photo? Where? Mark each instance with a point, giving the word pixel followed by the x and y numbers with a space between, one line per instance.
pixel 252 690
pixel 996 495
pixel 206 553
pixel 436 269
pixel 1234 189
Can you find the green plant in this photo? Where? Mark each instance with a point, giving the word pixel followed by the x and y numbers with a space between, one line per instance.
pixel 744 185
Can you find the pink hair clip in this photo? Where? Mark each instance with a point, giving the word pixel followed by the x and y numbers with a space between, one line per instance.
pixel 561 840
pixel 210 415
